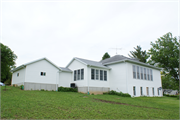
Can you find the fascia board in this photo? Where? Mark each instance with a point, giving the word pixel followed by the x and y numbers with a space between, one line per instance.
pixel 99 67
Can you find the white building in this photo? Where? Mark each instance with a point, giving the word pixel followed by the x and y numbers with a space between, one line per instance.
pixel 117 73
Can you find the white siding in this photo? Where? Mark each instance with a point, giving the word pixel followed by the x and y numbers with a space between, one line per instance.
pixel 98 83
pixel 118 77
pixel 19 80
pixel 33 73
pixel 75 65
pixel 64 79
pixel 156 83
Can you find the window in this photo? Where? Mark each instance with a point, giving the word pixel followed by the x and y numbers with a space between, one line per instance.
pixel 82 74
pixel 147 90
pixel 17 74
pixel 158 91
pixel 145 73
pixel 97 74
pixel 134 71
pixel 78 72
pixel 101 75
pixel 141 72
pixel 105 75
pixel 92 74
pixel 43 73
pixel 153 91
pixel 141 91
pixel 151 74
pixel 148 77
pixel 138 75
pixel 75 75
pixel 134 90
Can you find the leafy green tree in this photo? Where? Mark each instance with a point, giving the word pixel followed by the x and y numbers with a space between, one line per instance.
pixel 7 62
pixel 139 54
pixel 105 56
pixel 165 54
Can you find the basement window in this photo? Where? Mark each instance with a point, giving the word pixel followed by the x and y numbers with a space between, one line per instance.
pixel 43 73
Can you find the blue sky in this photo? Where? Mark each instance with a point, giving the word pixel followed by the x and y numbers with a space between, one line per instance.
pixel 61 30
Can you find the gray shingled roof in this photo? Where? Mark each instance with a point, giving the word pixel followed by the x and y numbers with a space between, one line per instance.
pixel 65 69
pixel 116 58
pixel 93 63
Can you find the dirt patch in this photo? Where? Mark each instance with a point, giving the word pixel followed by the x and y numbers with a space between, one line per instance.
pixel 112 102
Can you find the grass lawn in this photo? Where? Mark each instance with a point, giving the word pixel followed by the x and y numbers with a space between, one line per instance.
pixel 19 104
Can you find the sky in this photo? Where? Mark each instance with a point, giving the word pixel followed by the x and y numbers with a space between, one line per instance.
pixel 61 30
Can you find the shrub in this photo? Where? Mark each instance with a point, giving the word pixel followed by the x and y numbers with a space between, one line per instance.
pixel 66 89
pixel 42 89
pixel 92 94
pixel 7 82
pixel 112 92
pixel 21 87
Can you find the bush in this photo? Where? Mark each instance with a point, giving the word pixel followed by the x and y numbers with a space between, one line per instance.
pixel 170 95
pixel 7 82
pixel 21 87
pixel 92 94
pixel 42 89
pixel 66 89
pixel 112 92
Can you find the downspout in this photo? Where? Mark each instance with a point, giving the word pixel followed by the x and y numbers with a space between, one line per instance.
pixel 126 76
pixel 57 80
pixel 88 78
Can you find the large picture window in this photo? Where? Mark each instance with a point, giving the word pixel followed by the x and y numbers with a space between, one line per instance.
pixel 134 71
pixel 82 74
pixel 97 74
pixel 92 74
pixel 138 75
pixel 101 74
pixel 105 75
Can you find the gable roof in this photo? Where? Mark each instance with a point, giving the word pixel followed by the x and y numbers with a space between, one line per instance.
pixel 120 58
pixel 24 65
pixel 65 69
pixel 89 63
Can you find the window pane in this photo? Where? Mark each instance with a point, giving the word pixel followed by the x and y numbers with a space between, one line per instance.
pixel 147 89
pixel 101 75
pixel 134 90
pixel 92 74
pixel 153 91
pixel 44 73
pixel 97 74
pixel 141 90
pixel 105 75
pixel 148 77
pixel 138 75
pixel 82 74
pixel 151 74
pixel 134 71
pixel 78 75
pixel 141 72
pixel 75 75
pixel 145 73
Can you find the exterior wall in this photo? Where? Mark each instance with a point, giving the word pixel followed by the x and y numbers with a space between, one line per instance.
pixel 33 73
pixel 98 83
pixel 156 83
pixel 64 79
pixel 39 86
pixel 118 77
pixel 19 80
pixel 75 65
pixel 94 90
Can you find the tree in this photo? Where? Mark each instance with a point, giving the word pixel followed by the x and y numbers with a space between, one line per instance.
pixel 105 56
pixel 165 54
pixel 139 54
pixel 7 62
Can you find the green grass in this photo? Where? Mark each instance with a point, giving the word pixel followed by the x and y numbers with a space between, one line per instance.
pixel 19 104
